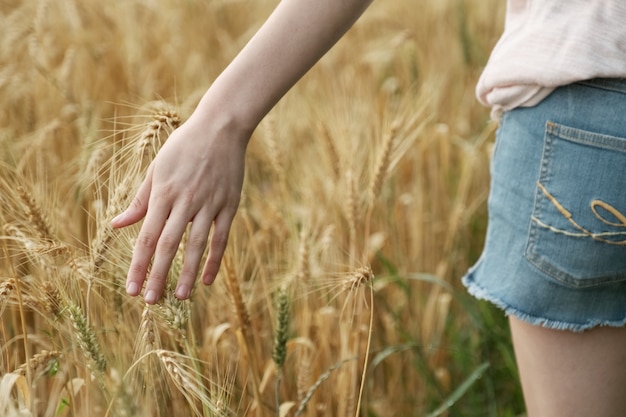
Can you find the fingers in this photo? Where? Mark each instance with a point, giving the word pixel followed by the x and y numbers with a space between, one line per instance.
pixel 146 245
pixel 164 246
pixel 196 244
pixel 218 246
pixel 159 238
pixel 164 253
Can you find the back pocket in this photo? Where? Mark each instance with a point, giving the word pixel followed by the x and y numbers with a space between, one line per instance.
pixel 578 226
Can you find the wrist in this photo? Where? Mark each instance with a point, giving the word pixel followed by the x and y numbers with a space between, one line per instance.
pixel 225 116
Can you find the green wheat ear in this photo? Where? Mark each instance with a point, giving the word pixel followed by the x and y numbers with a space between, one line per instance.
pixel 86 337
pixel 282 327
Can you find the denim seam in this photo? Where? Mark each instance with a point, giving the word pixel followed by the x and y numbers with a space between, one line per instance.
pixel 616 85
pixel 597 140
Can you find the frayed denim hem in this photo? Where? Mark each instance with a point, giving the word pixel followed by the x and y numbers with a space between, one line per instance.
pixel 482 294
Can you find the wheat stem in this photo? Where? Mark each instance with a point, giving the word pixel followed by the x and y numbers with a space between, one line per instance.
pixel 245 327
pixel 320 380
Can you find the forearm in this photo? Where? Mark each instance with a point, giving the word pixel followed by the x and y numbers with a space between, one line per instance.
pixel 292 40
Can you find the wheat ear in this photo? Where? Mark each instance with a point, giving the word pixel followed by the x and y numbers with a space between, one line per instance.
pixel 51 300
pixel 245 326
pixel 382 166
pixel 35 214
pixel 323 377
pixel 40 361
pixel 281 334
pixel 6 290
pixel 149 141
pixel 331 149
pixel 187 383
pixel 86 338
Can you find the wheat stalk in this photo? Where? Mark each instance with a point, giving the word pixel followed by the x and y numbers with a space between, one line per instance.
pixel 303 375
pixel 175 312
pixel 93 167
pixel 361 276
pixel 279 353
pixel 149 141
pixel 51 300
pixel 275 155
pixel 6 290
pixel 320 380
pixel 39 362
pixel 187 383
pixel 331 148
pixel 35 214
pixel 53 248
pixel 104 235
pixel 86 338
pixel 148 335
pixel 382 165
pixel 303 268
pixel 245 327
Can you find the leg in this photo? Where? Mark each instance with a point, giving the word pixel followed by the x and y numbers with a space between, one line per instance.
pixel 571 374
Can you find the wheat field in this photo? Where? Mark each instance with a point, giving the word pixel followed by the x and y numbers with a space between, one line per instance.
pixel 363 205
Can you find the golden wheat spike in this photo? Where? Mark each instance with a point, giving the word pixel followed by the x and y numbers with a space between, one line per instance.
pixel 382 165
pixel 39 362
pixel 35 214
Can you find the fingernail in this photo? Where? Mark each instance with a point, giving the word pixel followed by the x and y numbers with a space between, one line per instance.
pixel 117 218
pixel 150 297
pixel 132 288
pixel 182 292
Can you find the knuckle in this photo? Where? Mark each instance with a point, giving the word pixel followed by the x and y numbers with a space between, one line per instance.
pixel 168 243
pixel 187 197
pixel 188 274
pixel 137 203
pixel 147 240
pixel 188 270
pixel 196 243
pixel 219 239
pixel 138 269
pixel 157 280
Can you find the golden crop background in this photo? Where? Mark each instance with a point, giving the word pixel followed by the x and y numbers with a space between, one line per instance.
pixel 362 207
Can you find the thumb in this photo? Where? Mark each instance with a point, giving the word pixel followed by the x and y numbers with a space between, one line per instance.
pixel 138 207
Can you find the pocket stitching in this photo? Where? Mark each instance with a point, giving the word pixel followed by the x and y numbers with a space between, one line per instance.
pixel 555 131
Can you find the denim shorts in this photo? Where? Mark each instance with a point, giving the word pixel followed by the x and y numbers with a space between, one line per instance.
pixel 555 250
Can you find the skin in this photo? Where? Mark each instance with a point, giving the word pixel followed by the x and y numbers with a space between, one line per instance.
pixel 573 374
pixel 197 178
pixel 197 175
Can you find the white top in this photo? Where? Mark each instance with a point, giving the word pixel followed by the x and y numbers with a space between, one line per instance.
pixel 549 43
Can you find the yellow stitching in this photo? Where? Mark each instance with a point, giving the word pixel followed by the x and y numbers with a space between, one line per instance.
pixel 554 201
pixel 573 234
pixel 594 203
pixel 615 212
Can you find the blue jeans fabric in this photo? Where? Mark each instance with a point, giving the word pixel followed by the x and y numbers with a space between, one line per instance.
pixel 555 250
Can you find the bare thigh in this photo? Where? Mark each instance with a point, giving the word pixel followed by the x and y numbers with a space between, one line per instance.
pixel 571 374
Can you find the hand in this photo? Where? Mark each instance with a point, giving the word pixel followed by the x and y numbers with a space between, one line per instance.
pixel 198 174
pixel 196 177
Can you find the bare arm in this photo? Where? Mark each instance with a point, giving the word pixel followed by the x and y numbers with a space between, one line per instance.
pixel 295 37
pixel 197 176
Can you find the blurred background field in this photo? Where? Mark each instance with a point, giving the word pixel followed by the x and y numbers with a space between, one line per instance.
pixel 363 205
